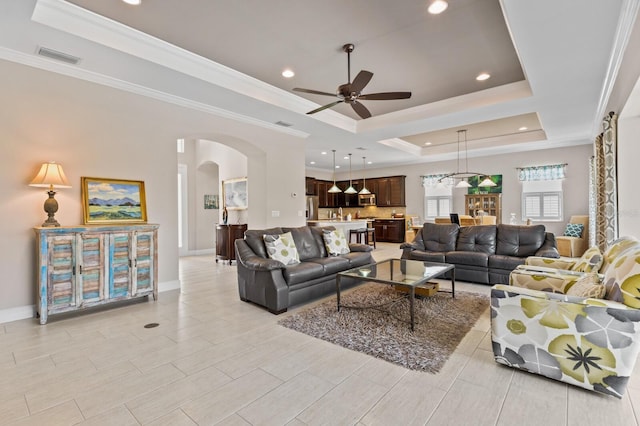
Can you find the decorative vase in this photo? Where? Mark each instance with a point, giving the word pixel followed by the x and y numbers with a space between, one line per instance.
pixel 225 216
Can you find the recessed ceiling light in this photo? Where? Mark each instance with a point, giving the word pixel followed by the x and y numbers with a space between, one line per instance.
pixel 133 2
pixel 522 129
pixel 437 6
pixel 427 143
pixel 345 158
pixel 369 162
pixel 484 76
pixel 312 162
pixel 337 167
pixel 324 153
pixel 288 73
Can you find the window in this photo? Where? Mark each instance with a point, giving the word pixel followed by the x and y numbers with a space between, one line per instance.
pixel 542 200
pixel 437 206
pixel 438 196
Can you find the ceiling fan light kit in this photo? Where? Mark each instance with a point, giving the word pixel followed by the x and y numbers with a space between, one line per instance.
pixel 351 92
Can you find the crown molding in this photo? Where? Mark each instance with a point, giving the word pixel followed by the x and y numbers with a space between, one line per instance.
pixel 93 77
pixel 88 25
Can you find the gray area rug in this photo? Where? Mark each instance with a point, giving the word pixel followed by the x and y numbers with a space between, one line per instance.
pixel 441 323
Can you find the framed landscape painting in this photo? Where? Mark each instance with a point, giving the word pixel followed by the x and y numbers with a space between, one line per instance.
pixel 234 193
pixel 113 201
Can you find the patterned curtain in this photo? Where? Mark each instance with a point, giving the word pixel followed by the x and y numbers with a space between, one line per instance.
pixel 606 183
pixel 551 172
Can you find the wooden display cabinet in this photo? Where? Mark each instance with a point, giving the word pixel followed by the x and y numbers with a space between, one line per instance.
pixel 491 204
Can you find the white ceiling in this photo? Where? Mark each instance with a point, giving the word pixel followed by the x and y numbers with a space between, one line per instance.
pixel 553 64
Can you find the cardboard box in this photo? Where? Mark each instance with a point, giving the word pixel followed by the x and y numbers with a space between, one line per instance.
pixel 425 290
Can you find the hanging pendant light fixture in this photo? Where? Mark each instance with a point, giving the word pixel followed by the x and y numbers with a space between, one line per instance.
pixel 364 190
pixel 350 189
pixel 466 174
pixel 334 189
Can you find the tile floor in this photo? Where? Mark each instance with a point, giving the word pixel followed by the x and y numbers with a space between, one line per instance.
pixel 216 360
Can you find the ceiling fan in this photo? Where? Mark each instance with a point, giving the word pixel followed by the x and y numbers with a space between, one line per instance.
pixel 350 92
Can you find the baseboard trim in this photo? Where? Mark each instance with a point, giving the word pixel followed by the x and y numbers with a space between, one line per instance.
pixel 201 252
pixel 18 313
pixel 29 311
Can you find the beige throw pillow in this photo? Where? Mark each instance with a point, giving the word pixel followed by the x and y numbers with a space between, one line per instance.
pixel 588 286
pixel 282 248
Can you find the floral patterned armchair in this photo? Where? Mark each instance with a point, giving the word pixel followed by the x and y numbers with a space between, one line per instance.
pixel 591 343
pixel 588 342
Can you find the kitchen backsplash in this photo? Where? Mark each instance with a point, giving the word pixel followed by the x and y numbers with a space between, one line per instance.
pixel 368 211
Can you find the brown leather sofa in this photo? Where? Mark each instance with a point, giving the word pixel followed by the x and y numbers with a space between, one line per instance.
pixel 270 283
pixel 485 253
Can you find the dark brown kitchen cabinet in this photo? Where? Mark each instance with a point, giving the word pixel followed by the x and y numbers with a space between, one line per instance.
pixel 390 191
pixel 389 230
pixel 311 187
pixel 225 237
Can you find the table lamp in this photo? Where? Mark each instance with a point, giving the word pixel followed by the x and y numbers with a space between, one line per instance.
pixel 50 176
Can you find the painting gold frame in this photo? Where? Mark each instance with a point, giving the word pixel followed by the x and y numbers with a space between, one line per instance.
pixel 113 201
pixel 235 194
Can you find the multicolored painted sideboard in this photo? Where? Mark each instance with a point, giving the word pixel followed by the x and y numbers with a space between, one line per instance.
pixel 84 266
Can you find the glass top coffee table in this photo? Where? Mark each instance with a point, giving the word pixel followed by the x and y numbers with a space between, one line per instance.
pixel 399 272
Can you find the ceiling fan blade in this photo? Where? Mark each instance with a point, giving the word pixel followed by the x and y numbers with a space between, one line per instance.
pixel 314 92
pixel 385 96
pixel 362 79
pixel 325 107
pixel 360 109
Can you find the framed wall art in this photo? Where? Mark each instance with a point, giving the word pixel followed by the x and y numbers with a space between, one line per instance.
pixel 113 201
pixel 234 194
pixel 211 201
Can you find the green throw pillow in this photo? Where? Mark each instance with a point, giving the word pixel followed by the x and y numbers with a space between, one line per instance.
pixel 282 248
pixel 335 242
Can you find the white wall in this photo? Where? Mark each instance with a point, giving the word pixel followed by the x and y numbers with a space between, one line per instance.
pixel 42 121
pixel 628 154
pixel 84 126
pixel 575 186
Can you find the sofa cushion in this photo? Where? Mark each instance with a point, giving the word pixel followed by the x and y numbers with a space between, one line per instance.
pixel 470 258
pixel 509 263
pixel 358 258
pixel 519 240
pixel 481 238
pixel 440 237
pixel 281 248
pixel 253 237
pixel 333 264
pixel 622 278
pixel 305 242
pixel 428 256
pixel 591 261
pixel 303 271
pixel 335 242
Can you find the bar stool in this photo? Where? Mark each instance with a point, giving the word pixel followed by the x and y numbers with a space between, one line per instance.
pixel 370 236
pixel 359 233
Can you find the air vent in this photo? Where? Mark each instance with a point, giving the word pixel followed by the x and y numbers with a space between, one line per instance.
pixel 361 148
pixel 283 124
pixel 58 56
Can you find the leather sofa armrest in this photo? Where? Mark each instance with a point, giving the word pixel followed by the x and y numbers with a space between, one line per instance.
pixel 410 246
pixel 360 247
pixel 252 261
pixel 549 248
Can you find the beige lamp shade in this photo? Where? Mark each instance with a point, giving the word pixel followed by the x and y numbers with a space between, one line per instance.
pixel 50 176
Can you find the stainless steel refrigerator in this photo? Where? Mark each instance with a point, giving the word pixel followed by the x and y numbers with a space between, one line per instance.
pixel 312 207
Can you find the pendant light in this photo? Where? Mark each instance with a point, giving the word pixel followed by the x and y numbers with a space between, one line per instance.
pixel 334 189
pixel 466 174
pixel 364 190
pixel 487 182
pixel 350 189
